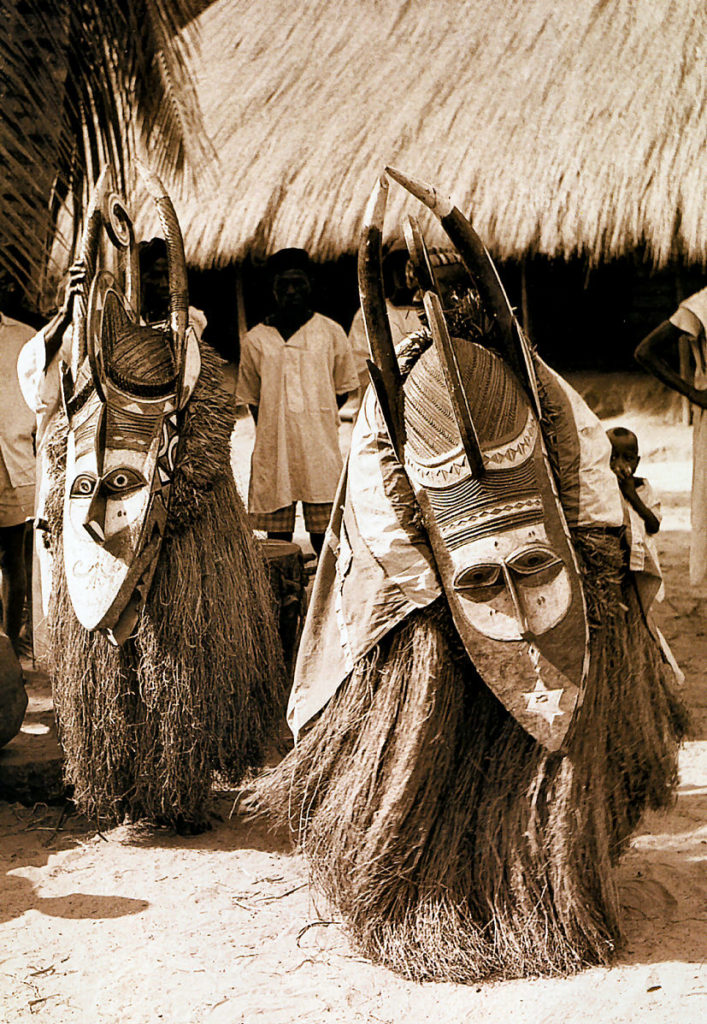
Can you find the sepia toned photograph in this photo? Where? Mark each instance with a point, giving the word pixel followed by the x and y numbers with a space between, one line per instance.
pixel 353 512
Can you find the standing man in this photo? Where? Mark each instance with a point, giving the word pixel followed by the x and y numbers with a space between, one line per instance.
pixel 17 465
pixel 295 373
pixel 656 353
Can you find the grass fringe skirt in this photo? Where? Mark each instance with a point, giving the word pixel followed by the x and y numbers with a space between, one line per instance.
pixel 201 686
pixel 453 846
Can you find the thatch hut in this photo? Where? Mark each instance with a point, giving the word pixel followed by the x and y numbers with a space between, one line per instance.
pixel 573 134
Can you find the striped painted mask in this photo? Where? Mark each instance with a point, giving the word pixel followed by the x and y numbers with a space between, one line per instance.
pixel 499 539
pixel 125 405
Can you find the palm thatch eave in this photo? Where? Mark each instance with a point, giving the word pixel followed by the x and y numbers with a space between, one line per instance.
pixel 561 129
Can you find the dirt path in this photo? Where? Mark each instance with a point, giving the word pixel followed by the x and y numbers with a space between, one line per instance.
pixel 138 926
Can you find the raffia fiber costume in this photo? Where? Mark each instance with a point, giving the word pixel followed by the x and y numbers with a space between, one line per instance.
pixel 455 842
pixel 193 682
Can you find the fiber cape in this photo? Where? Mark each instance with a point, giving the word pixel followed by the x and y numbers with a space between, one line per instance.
pixel 453 845
pixel 166 664
pixel 456 840
pixel 200 686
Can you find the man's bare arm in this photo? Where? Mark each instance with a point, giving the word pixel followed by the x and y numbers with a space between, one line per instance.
pixel 651 354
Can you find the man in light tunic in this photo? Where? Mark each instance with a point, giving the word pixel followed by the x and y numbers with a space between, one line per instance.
pixel 654 353
pixel 295 373
pixel 17 466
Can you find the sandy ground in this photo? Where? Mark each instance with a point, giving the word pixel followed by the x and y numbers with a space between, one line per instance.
pixel 138 926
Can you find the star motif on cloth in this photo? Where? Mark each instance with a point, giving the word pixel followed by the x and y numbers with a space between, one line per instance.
pixel 544 702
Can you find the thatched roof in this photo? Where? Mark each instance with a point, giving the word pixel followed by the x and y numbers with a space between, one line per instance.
pixel 561 127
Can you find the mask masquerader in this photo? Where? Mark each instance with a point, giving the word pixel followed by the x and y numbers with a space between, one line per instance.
pixel 482 714
pixel 166 663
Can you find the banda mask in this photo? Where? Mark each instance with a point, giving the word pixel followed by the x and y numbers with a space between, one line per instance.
pixel 466 431
pixel 125 396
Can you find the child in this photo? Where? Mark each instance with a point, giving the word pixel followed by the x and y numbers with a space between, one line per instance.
pixel 642 514
pixel 635 489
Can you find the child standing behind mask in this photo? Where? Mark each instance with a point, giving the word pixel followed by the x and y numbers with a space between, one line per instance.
pixel 641 515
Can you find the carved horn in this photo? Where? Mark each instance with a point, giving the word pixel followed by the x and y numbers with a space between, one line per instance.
pixel 383 365
pixel 178 289
pixel 480 266
pixel 419 256
pixel 88 254
pixel 452 375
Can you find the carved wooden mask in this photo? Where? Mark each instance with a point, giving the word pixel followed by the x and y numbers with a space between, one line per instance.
pixel 124 401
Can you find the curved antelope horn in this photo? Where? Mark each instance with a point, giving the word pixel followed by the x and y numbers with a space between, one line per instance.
pixel 481 267
pixel 178 290
pixel 383 365
pixel 419 256
pixel 120 230
pixel 88 254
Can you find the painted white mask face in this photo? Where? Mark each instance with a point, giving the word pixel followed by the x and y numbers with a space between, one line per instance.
pixel 121 453
pixel 512 586
pixel 499 539
pixel 124 393
pixel 113 505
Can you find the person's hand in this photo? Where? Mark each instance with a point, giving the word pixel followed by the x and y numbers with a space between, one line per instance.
pixel 77 281
pixel 621 469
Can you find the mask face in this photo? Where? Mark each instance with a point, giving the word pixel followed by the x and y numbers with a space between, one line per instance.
pixel 513 586
pixel 122 444
pixel 500 542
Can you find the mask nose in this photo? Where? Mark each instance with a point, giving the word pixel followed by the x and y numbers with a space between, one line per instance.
pixel 521 618
pixel 95 521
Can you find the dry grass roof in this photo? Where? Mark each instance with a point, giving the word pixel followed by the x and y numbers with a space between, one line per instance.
pixel 561 127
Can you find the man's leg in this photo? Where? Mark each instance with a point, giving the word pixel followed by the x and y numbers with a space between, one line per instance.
pixel 279 525
pixel 27 628
pixel 14 579
pixel 316 520
pixel 317 542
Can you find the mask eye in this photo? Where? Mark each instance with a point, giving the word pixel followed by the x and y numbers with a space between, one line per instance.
pixel 83 486
pixel 536 566
pixel 123 480
pixel 478 576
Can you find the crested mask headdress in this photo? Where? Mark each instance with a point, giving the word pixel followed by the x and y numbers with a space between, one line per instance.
pixel 124 393
pixel 464 420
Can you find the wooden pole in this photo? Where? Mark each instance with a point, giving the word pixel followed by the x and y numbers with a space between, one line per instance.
pixel 683 350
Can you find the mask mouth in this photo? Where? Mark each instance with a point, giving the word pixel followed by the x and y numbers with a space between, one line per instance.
pixel 124 628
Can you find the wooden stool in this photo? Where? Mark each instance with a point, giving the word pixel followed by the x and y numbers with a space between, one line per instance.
pixel 288 582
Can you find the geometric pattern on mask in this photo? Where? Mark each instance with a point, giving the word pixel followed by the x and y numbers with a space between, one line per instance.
pixel 497 404
pixel 167 453
pixel 500 500
pixel 84 427
pixel 515 451
pixel 507 495
pixel 131 430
